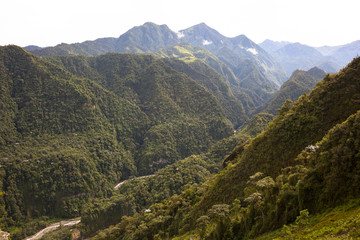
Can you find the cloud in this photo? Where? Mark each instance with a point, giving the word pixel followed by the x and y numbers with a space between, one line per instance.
pixel 180 35
pixel 252 50
pixel 206 42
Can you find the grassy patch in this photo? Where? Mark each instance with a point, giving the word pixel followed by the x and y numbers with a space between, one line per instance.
pixel 342 222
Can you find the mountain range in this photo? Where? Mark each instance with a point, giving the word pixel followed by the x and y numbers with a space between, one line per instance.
pixel 294 56
pixel 236 59
pixel 73 126
pixel 300 82
pixel 296 172
pixel 241 62
pixel 204 136
pixel 151 37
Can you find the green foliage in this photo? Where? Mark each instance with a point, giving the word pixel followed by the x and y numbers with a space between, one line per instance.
pixel 338 223
pixel 246 80
pixel 256 125
pixel 303 218
pixel 201 224
pixel 194 56
pixel 335 171
pixel 305 162
pixel 71 128
pixel 214 83
pixel 182 117
pixel 304 124
pixel 167 182
pixel 299 83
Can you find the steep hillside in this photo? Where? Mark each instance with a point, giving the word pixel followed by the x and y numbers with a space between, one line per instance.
pixel 213 82
pixel 299 83
pixel 247 83
pixel 305 162
pixel 68 137
pixel 256 125
pixel 254 82
pixel 148 37
pixel 243 48
pixel 272 46
pixel 61 140
pixel 137 194
pixel 298 56
pixel 173 179
pixel 339 223
pixel 346 53
pixel 297 126
pixel 179 109
pixel 188 53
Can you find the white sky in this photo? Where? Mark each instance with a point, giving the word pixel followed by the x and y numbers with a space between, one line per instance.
pixel 50 22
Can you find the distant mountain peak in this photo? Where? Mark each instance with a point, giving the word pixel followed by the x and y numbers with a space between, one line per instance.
pixel 149 24
pixel 201 28
pixel 32 47
pixel 152 25
pixel 317 72
pixel 271 46
pixel 201 25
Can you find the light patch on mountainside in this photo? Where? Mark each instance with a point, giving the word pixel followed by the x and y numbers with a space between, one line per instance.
pixel 180 35
pixel 206 42
pixel 252 50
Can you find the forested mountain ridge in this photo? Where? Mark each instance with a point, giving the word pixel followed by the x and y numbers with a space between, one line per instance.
pixel 150 38
pixel 213 82
pixel 166 182
pixel 146 38
pixel 296 127
pixel 164 96
pixel 248 84
pixel 80 118
pixel 233 51
pixel 305 162
pixel 68 137
pixel 299 83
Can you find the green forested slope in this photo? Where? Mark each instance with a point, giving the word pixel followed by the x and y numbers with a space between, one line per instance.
pixel 68 137
pixel 179 109
pixel 59 144
pixel 300 82
pixel 173 179
pixel 188 53
pixel 297 126
pixel 246 81
pixel 256 76
pixel 212 81
pixel 305 162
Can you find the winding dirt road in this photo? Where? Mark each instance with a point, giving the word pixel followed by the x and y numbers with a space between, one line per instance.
pixel 53 227
pixel 74 221
pixel 131 179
